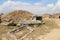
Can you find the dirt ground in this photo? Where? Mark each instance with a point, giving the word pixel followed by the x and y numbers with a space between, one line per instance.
pixel 48 31
pixel 53 35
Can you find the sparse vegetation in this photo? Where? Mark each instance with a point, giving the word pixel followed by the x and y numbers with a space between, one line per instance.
pixel 6 28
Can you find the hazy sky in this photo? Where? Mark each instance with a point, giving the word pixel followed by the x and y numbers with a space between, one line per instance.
pixel 35 6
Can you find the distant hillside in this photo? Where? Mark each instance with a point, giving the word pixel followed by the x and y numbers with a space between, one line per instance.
pixel 16 16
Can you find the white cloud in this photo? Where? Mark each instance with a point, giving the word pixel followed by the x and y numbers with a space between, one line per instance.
pixel 37 8
pixel 11 6
pixel 57 7
pixel 38 4
pixel 58 3
pixel 50 5
pixel 9 0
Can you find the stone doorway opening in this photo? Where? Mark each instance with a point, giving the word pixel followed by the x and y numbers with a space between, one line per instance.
pixel 39 18
pixel 59 17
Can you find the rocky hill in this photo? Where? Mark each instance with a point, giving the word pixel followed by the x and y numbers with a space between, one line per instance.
pixel 16 16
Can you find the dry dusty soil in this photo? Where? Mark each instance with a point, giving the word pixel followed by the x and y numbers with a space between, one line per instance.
pixel 53 35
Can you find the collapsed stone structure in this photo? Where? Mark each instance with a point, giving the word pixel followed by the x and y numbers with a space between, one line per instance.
pixel 54 16
pixel 34 20
pixel 57 15
pixel 47 16
pixel 16 17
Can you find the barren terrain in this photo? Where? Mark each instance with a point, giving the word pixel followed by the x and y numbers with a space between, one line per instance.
pixel 48 31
